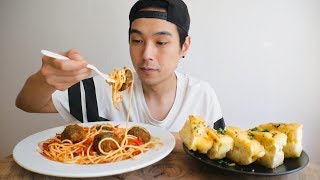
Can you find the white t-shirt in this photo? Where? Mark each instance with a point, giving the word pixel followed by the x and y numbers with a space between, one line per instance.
pixel 193 97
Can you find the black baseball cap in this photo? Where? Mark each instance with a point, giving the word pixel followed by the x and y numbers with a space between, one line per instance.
pixel 176 12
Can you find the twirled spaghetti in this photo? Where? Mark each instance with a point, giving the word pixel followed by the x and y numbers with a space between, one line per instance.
pixel 123 80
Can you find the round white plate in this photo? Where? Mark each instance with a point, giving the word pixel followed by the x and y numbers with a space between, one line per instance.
pixel 26 155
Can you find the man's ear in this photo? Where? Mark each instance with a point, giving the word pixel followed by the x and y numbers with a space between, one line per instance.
pixel 185 46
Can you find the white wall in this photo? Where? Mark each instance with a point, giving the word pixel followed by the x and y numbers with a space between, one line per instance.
pixel 262 57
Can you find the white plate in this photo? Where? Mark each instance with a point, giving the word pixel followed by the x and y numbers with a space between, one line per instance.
pixel 26 155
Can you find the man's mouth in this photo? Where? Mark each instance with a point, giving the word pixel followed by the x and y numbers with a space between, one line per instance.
pixel 148 69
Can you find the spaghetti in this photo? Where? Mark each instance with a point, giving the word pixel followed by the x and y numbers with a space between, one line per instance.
pixel 123 80
pixel 102 143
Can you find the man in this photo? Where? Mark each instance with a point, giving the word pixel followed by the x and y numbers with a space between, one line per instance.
pixel 158 39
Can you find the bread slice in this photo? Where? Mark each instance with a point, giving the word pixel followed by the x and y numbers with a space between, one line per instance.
pixel 273 142
pixel 245 150
pixel 293 148
pixel 222 144
pixel 194 134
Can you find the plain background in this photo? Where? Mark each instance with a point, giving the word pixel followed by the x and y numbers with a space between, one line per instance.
pixel 262 57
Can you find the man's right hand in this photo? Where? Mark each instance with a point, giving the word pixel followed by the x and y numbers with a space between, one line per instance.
pixel 61 74
pixel 54 74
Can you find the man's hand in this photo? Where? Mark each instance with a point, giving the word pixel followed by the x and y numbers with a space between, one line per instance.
pixel 54 74
pixel 61 74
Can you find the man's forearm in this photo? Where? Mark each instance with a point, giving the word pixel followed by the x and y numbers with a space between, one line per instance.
pixel 35 95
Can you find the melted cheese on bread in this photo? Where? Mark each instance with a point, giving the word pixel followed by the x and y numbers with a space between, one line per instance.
pixel 273 142
pixel 293 148
pixel 245 150
pixel 222 144
pixel 194 135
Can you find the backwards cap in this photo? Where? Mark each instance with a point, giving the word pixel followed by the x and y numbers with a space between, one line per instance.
pixel 176 12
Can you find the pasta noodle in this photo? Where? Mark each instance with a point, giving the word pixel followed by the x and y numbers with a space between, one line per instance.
pixel 123 79
pixel 101 143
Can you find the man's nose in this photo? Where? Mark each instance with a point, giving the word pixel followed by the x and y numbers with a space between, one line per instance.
pixel 149 51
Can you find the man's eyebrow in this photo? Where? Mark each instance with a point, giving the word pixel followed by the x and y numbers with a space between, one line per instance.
pixel 135 31
pixel 160 33
pixel 166 33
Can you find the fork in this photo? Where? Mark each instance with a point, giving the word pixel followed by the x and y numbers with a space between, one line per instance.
pixel 90 66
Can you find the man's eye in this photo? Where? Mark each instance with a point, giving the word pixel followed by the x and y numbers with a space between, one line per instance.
pixel 136 41
pixel 162 43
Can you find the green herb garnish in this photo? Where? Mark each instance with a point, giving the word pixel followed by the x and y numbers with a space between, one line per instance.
pixel 276 125
pixel 254 129
pixel 221 131
pixel 223 163
pixel 250 136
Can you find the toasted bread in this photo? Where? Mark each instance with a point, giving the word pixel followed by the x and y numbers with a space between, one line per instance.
pixel 245 150
pixel 222 144
pixel 293 148
pixel 273 142
pixel 194 135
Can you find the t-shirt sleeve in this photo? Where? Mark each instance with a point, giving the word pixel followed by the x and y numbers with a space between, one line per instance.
pixel 61 102
pixel 201 100
pixel 214 110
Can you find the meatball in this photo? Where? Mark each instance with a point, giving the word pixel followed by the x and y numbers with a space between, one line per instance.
pixel 129 79
pixel 74 133
pixel 106 145
pixel 107 127
pixel 140 133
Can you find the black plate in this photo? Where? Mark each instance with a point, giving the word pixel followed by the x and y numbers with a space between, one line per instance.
pixel 289 165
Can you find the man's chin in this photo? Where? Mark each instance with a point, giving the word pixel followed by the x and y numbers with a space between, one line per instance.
pixel 149 79
pixel 149 82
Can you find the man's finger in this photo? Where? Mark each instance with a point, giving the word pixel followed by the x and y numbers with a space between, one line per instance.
pixel 74 54
pixel 68 65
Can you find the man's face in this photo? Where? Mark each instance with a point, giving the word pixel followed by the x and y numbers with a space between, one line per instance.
pixel 154 49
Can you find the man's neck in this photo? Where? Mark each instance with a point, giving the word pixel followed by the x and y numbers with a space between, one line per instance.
pixel 162 89
pixel 160 98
